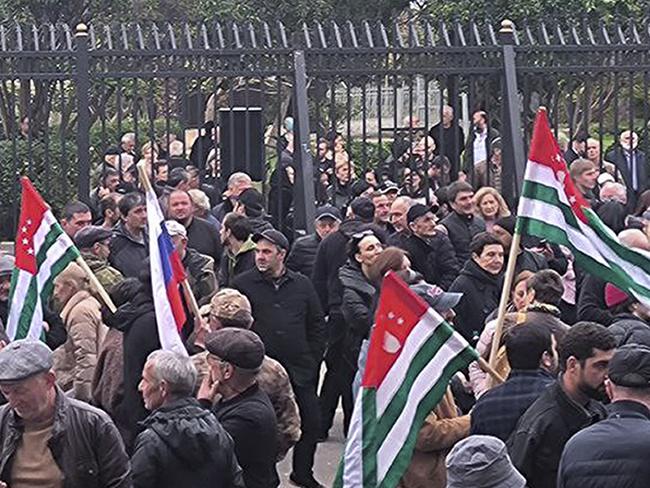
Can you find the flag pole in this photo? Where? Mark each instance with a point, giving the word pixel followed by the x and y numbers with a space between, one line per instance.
pixel 505 293
pixel 103 294
pixel 185 284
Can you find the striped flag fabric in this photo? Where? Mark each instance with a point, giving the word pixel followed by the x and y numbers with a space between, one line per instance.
pixel 412 357
pixel 552 208
pixel 167 273
pixel 42 251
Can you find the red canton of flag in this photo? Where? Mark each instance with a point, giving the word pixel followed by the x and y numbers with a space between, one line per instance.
pixel 545 150
pixel 398 312
pixel 32 209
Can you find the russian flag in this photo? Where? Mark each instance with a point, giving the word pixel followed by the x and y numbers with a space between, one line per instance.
pixel 167 273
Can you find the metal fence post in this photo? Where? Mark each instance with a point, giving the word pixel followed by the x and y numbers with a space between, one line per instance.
pixel 82 79
pixel 304 206
pixel 514 159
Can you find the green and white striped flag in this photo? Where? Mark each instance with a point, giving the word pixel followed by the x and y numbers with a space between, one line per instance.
pixel 412 356
pixel 43 250
pixel 551 208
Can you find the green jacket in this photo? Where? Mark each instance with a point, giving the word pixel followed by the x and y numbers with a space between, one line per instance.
pixel 105 273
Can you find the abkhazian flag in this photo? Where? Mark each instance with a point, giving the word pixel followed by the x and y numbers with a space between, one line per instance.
pixel 412 357
pixel 167 273
pixel 551 208
pixel 42 251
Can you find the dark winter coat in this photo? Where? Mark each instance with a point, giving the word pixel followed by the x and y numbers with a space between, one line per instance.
pixel 251 422
pixel 461 230
pixel 611 454
pixel 434 258
pixel 289 319
pixel 140 339
pixel 128 254
pixel 480 291
pixel 183 444
pixel 235 264
pixel 330 257
pixel 85 445
pixel 591 301
pixel 202 237
pixel 537 442
pixel 303 254
pixel 629 329
pixel 358 306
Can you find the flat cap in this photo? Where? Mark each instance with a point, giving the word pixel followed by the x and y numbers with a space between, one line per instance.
pixel 7 264
pixel 630 366
pixel 231 304
pixel 417 211
pixel 88 236
pixel 274 236
pixel 240 347
pixel 24 358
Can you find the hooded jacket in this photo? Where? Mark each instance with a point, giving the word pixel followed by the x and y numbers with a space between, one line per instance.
pixel 183 444
pixel 480 291
pixel 235 264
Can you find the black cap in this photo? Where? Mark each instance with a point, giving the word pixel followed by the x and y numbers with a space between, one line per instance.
pixel 88 236
pixel 416 211
pixel 389 187
pixel 363 209
pixel 274 236
pixel 630 366
pixel 253 202
pixel 328 211
pixel 112 151
pixel 239 347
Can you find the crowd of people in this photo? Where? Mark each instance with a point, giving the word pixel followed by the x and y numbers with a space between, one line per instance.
pixel 98 403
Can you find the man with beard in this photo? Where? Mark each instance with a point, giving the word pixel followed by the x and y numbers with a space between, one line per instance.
pixel 566 407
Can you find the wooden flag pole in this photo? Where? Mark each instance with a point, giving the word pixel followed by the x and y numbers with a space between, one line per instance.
pixel 96 284
pixel 485 366
pixel 505 294
pixel 185 284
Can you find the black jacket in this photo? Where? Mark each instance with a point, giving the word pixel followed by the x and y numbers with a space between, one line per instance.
pixel 629 329
pixel 591 301
pixel 358 306
pixel 183 444
pixel 259 224
pixel 303 254
pixel 127 254
pixel 480 291
pixel 289 319
pixel 619 157
pixel 233 265
pixel 85 445
pixel 611 454
pixel 536 444
pixel 138 323
pixel 330 256
pixel 220 210
pixel 250 420
pixel 202 237
pixel 434 258
pixel 461 230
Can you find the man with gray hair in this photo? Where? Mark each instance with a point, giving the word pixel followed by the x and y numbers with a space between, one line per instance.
pixel 237 183
pixel 613 207
pixel 48 438
pixel 182 443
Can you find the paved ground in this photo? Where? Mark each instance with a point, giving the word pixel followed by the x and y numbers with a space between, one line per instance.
pixel 328 456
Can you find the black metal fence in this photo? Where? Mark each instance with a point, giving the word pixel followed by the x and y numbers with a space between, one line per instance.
pixel 225 91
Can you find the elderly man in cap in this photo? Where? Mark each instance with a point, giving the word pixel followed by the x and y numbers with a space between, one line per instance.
pixel 431 251
pixel 182 443
pixel 49 439
pixel 289 319
pixel 482 461
pixel 229 308
pixel 81 314
pixel 244 410
pixel 303 253
pixel 199 267
pixel 613 453
pixel 94 244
